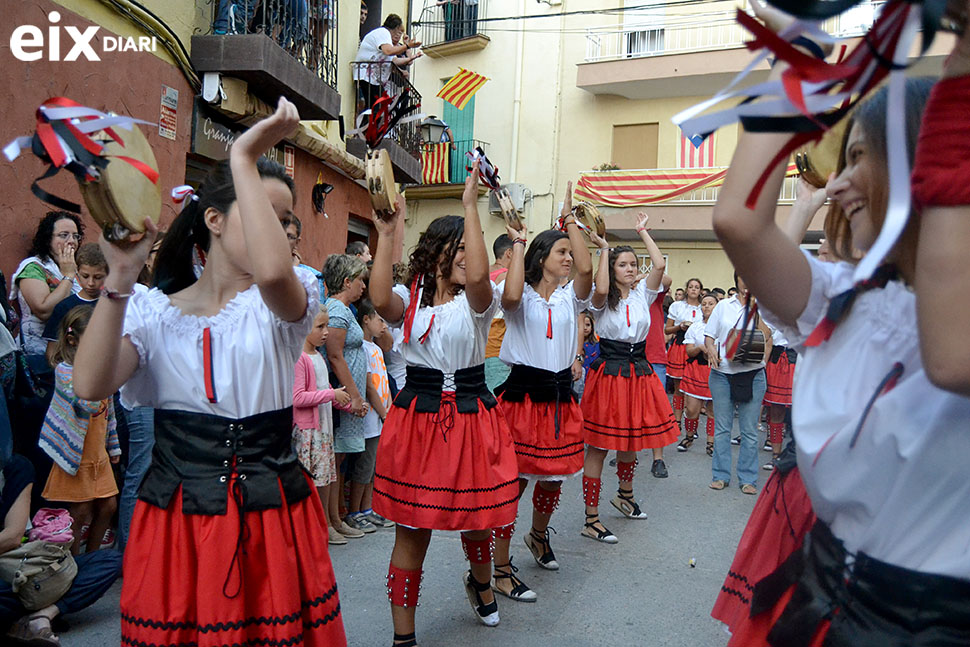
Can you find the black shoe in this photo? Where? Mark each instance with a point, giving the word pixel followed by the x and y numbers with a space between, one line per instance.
pixel 541 549
pixel 658 469
pixel 685 443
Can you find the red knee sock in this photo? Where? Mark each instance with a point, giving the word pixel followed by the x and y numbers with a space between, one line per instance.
pixel 690 427
pixel 678 401
pixel 591 491
pixel 776 432
pixel 545 501
pixel 403 587
pixel 505 532
pixel 477 551
pixel 710 426
pixel 625 471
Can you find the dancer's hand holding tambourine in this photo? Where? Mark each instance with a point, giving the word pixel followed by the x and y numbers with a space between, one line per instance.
pixel 469 198
pixel 266 134
pixel 386 224
pixel 126 258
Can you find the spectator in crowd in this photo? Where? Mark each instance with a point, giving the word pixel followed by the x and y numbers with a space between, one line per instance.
pixel 380 48
pixel 497 371
pixel 359 249
pixel 44 279
pixel 719 292
pixel 92 270
pixel 294 234
pixel 461 18
pixel 679 294
pixel 80 436
pixel 731 292
pixel 96 571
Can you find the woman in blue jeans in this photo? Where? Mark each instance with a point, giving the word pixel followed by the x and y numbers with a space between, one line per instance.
pixel 734 383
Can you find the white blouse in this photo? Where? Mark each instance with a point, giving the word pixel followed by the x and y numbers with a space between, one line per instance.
pixel 695 334
pixel 728 315
pixel 455 339
pixel 681 311
pixel 253 353
pixel 526 340
pixel 900 495
pixel 631 319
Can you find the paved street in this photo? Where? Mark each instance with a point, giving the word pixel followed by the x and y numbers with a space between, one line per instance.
pixel 640 592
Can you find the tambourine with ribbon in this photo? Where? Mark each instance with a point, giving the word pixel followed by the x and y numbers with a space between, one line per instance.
pixel 380 181
pixel 487 172
pixel 817 161
pixel 509 212
pixel 108 155
pixel 587 217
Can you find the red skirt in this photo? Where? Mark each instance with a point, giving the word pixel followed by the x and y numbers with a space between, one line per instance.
pixel 676 359
pixel 181 569
pixel 695 381
pixel 446 470
pixel 538 449
pixel 779 377
pixel 779 522
pixel 627 413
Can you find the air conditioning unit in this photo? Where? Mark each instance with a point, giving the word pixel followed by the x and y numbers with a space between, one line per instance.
pixel 516 191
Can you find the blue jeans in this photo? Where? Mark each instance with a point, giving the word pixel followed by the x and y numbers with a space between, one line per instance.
pixel 141 441
pixel 748 422
pixel 661 371
pixel 242 13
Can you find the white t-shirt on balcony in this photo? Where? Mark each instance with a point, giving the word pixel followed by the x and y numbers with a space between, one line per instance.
pixel 370 51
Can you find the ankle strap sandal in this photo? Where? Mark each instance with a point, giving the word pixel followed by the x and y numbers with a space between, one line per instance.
pixel 520 592
pixel 627 505
pixel 405 640
pixel 541 549
pixel 600 533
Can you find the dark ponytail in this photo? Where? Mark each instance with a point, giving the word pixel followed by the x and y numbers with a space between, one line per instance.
pixel 174 266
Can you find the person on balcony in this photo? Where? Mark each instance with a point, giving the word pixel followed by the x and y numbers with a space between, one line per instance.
pixel 460 18
pixel 380 48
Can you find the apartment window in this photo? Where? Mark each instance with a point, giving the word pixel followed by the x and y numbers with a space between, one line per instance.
pixel 635 145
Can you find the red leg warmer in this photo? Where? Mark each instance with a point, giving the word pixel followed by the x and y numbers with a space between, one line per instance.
pixel 591 491
pixel 710 426
pixel 625 471
pixel 545 501
pixel 678 401
pixel 690 427
pixel 477 551
pixel 403 587
pixel 505 532
pixel 776 432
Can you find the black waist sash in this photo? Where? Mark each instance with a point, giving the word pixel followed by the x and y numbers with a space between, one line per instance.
pixel 618 356
pixel 777 351
pixel 871 603
pixel 201 451
pixel 699 358
pixel 540 386
pixel 427 384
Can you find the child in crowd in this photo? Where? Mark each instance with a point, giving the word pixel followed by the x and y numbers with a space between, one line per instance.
pixel 591 350
pixel 313 418
pixel 80 437
pixel 361 475
pixel 92 269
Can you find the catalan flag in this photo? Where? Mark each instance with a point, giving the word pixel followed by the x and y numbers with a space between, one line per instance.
pixel 638 188
pixel 461 87
pixel 434 163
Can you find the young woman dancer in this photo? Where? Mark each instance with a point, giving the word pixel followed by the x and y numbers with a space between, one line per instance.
pixel 779 376
pixel 681 315
pixel 624 406
pixel 880 450
pixel 445 460
pixel 694 385
pixel 228 544
pixel 541 319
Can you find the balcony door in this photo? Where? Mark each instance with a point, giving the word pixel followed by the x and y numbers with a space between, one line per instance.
pixel 462 123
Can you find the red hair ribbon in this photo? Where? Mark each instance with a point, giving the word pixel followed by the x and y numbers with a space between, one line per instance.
pixel 427 332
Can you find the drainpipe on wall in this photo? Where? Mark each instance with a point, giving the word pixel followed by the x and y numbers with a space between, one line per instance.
pixel 517 97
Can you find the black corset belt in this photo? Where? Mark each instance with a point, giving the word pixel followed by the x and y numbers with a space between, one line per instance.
pixel 427 384
pixel 618 356
pixel 540 386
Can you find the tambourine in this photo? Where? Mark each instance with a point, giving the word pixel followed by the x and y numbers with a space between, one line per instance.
pixel 380 181
pixel 816 161
pixel 589 218
pixel 123 196
pixel 508 209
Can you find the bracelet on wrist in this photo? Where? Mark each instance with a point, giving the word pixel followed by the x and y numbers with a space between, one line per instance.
pixel 113 295
pixel 521 241
pixel 579 358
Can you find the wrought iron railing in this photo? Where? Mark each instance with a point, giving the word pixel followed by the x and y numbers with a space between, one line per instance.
pixel 305 29
pixel 374 79
pixel 456 157
pixel 443 22
pixel 701 32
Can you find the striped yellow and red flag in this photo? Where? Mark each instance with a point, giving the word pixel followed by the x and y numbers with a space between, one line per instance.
pixel 638 188
pixel 434 163
pixel 461 87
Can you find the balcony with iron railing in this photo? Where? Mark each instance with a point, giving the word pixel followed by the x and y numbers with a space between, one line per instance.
pixel 279 47
pixel 454 178
pixel 403 141
pixel 448 27
pixel 672 56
